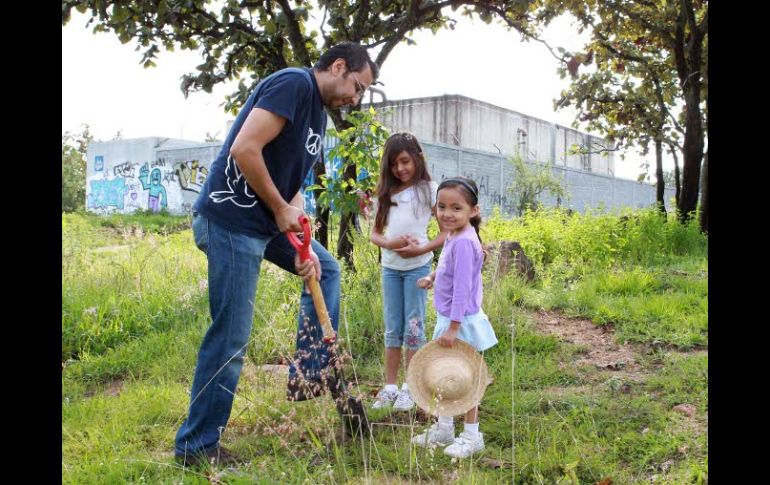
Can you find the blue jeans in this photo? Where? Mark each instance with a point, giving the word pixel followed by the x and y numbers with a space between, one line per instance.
pixel 234 262
pixel 403 305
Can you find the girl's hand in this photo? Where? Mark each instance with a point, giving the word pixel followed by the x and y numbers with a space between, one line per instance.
pixel 447 338
pixel 411 249
pixel 425 283
pixel 364 203
pixel 397 242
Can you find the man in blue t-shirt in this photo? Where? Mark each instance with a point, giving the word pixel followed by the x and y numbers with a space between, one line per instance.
pixel 250 199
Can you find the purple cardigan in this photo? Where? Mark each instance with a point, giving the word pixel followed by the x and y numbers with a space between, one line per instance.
pixel 457 286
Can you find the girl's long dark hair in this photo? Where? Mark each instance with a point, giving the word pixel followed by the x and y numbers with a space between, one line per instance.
pixel 397 143
pixel 470 192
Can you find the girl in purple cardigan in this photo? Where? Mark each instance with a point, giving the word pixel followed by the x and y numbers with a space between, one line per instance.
pixel 457 299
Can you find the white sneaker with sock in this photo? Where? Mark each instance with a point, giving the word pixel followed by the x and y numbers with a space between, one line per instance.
pixel 385 397
pixel 435 436
pixel 465 445
pixel 404 400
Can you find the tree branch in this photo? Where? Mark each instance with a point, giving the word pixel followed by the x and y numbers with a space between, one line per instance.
pixel 360 18
pixel 690 14
pixel 392 41
pixel 323 22
pixel 703 27
pixel 295 36
pixel 523 30
pixel 679 55
pixel 665 34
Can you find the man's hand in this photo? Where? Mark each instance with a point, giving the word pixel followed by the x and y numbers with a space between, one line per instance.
pixel 287 218
pixel 447 338
pixel 310 268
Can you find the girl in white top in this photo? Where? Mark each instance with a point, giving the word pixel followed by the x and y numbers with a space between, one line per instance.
pixel 405 200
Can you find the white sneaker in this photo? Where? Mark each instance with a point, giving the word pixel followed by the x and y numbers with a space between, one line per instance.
pixel 465 445
pixel 435 436
pixel 384 399
pixel 404 401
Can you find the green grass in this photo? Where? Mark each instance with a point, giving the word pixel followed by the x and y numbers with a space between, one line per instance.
pixel 643 305
pixel 135 308
pixel 607 433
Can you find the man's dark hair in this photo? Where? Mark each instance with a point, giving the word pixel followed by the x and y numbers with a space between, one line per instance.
pixel 355 55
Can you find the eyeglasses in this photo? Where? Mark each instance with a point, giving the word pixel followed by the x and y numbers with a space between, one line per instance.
pixel 360 89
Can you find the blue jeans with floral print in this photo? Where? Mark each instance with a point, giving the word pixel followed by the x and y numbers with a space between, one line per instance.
pixel 403 304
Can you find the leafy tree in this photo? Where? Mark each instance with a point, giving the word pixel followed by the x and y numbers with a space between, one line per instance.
pixel 247 40
pixel 669 178
pixel 211 138
pixel 360 149
pixel 648 77
pixel 73 169
pixel 531 180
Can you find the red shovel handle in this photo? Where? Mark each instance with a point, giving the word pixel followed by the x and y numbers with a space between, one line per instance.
pixel 303 249
pixel 302 246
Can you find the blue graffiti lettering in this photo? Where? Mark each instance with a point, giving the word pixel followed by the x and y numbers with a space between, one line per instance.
pixel 107 193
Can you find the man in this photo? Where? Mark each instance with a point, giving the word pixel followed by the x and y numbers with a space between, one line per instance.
pixel 249 200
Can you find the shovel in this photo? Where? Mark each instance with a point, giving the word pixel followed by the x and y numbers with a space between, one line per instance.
pixel 350 409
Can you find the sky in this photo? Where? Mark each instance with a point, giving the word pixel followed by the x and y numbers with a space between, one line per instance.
pixel 105 86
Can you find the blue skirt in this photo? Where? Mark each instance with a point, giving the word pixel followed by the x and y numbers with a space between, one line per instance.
pixel 474 329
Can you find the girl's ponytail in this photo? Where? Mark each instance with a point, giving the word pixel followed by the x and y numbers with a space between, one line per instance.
pixel 476 223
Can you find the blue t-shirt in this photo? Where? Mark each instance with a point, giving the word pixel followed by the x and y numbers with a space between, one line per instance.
pixel 226 198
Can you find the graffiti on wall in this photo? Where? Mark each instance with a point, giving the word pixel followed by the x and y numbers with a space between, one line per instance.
pixel 151 185
pixel 489 194
pixel 190 175
pixel 132 202
pixel 151 182
pixel 125 170
pixel 106 194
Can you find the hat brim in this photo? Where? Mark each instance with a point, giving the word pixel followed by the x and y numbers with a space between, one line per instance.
pixel 430 400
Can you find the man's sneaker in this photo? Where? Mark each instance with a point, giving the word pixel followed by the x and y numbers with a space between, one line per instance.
pixel 219 456
pixel 435 436
pixel 404 401
pixel 384 399
pixel 299 389
pixel 465 445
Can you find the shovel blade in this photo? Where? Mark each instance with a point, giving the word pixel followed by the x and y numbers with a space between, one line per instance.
pixel 353 415
pixel 350 409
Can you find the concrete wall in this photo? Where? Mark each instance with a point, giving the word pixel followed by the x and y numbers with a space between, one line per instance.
pixel 476 125
pixel 125 175
pixel 494 173
pixel 189 167
pixel 156 173
pixel 146 173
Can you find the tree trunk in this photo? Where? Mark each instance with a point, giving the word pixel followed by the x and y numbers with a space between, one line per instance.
pixel 347 224
pixel 322 214
pixel 677 180
pixel 344 244
pixel 704 195
pixel 688 54
pixel 660 185
pixel 693 154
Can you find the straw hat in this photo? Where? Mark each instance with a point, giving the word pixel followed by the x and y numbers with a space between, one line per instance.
pixel 447 381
